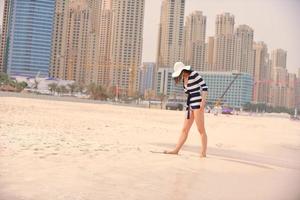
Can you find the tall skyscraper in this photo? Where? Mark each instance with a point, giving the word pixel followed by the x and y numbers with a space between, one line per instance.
pixel 0 35
pixel 91 70
pixel 76 52
pixel 127 41
pixel 105 42
pixel 291 91
pixel 224 24
pixel 278 57
pixel 30 26
pixel 224 43
pixel 298 91
pixel 243 50
pixel 209 54
pixel 171 33
pixel 279 78
pixel 4 36
pixel 59 35
pixel 262 73
pixel 194 40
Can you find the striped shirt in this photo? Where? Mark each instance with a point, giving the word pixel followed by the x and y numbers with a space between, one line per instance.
pixel 193 88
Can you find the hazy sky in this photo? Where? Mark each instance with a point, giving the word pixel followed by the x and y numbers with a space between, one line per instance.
pixel 276 22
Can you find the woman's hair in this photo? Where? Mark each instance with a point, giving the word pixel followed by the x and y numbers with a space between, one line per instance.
pixel 187 71
pixel 179 78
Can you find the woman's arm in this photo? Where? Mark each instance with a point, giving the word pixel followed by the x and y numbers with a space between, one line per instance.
pixel 204 92
pixel 204 97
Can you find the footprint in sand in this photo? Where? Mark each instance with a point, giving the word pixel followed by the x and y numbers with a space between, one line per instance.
pixel 47 155
pixel 101 150
pixel 221 145
pixel 85 151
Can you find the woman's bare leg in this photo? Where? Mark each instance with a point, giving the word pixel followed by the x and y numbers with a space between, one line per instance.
pixel 184 134
pixel 199 119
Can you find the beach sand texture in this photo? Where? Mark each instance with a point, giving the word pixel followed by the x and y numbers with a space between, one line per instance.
pixel 53 150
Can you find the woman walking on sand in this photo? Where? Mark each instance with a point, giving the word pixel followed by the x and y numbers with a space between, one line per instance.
pixel 196 89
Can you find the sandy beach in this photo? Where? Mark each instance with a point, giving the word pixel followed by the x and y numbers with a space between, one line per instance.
pixel 51 150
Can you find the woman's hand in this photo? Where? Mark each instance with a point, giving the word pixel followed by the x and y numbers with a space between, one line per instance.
pixel 203 101
pixel 202 105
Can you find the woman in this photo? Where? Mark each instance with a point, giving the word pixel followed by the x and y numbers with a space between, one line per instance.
pixel 196 89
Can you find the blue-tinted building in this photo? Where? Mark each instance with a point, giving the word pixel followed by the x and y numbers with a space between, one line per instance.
pixel 29 37
pixel 146 77
pixel 239 93
pixel 166 84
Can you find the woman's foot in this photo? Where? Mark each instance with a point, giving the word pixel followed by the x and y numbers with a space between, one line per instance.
pixel 202 155
pixel 171 152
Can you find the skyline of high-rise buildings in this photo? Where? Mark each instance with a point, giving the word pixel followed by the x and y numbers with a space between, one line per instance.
pixel 231 49
pixel 264 31
pixel 101 42
pixel 100 46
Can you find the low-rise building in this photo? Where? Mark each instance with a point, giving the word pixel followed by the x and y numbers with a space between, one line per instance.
pixel 237 95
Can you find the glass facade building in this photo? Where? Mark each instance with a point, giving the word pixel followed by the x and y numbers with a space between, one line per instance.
pixel 166 84
pixel 239 93
pixel 29 37
pixel 146 77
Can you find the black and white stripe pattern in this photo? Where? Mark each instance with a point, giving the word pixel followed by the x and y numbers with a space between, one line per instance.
pixel 193 88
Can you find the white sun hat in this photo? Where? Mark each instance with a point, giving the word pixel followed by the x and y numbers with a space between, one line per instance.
pixel 178 68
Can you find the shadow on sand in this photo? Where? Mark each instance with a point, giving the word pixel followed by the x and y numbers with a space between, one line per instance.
pixel 258 160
